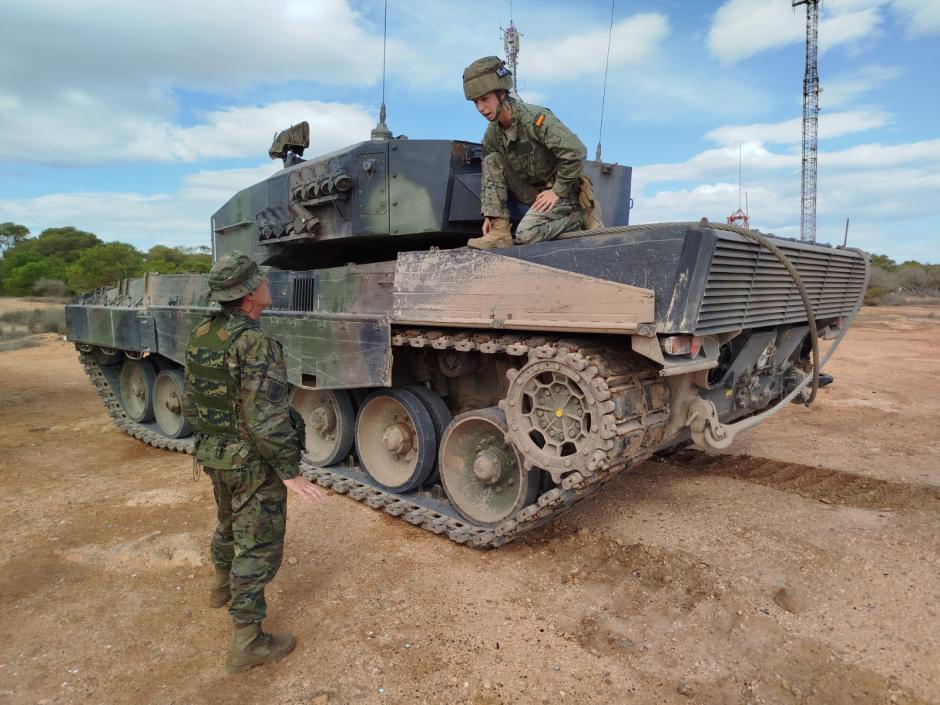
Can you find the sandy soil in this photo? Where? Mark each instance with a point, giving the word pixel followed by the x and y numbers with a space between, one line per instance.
pixel 13 303
pixel 801 568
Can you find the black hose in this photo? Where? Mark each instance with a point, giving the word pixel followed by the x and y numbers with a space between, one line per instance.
pixel 751 235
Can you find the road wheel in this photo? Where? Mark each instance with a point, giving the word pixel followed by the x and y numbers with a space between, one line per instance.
pixel 483 475
pixel 137 380
pixel 395 439
pixel 330 423
pixel 168 404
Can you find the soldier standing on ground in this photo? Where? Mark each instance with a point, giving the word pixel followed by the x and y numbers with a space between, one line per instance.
pixel 527 151
pixel 236 398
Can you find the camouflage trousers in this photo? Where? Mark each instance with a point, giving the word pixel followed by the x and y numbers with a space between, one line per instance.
pixel 248 541
pixel 498 181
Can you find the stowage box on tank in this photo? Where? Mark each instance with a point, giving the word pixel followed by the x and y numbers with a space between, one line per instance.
pixel 479 393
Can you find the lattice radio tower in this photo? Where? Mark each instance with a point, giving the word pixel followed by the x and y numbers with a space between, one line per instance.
pixel 810 123
pixel 511 38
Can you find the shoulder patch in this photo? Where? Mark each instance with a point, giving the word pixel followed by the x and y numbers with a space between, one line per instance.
pixel 539 119
pixel 277 392
pixel 224 334
pixel 203 328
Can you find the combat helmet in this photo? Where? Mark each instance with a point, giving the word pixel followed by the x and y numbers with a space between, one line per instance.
pixel 485 75
pixel 233 276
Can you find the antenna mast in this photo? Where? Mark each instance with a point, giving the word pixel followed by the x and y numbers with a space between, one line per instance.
pixel 810 123
pixel 381 131
pixel 511 38
pixel 600 129
pixel 740 217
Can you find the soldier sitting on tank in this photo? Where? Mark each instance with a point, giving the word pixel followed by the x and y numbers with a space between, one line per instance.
pixel 236 398
pixel 528 152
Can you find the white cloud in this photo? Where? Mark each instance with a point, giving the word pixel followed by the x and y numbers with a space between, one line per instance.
pixel 633 41
pixel 138 219
pixel 839 90
pixel 179 218
pixel 881 187
pixel 791 131
pixel 209 45
pixel 845 27
pixel 85 131
pixel 100 81
pixel 215 187
pixel 743 28
pixel 874 156
pixel 717 164
pixel 920 17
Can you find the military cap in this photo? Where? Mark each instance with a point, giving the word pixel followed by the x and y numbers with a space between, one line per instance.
pixel 485 75
pixel 233 276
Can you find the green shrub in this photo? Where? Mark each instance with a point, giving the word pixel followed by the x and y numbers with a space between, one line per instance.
pixel 922 280
pixel 37 320
pixel 52 287
pixel 47 320
pixel 874 295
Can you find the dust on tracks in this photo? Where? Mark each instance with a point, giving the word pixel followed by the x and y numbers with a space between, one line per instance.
pixel 823 484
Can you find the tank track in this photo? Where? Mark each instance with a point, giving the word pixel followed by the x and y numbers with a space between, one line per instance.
pixel 106 380
pixel 635 407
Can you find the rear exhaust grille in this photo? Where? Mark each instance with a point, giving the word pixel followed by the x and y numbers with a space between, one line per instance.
pixel 748 287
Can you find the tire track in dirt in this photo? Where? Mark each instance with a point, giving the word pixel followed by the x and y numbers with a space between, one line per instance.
pixel 823 484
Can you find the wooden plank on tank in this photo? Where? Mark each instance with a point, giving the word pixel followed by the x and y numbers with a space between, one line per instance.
pixel 472 288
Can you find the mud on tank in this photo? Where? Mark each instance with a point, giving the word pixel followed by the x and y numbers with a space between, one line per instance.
pixel 478 394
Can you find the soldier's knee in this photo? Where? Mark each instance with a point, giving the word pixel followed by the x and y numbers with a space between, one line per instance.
pixel 526 234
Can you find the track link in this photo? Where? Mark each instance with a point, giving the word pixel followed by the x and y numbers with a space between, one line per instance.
pixel 635 407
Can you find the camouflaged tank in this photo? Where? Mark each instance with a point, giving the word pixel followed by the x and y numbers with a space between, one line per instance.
pixel 478 394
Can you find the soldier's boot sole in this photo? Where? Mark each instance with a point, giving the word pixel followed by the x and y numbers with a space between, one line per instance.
pixel 267 648
pixel 488 243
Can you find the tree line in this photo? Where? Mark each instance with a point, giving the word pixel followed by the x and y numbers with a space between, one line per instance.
pixel 63 261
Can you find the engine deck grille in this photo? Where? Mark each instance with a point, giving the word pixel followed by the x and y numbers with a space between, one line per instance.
pixel 748 287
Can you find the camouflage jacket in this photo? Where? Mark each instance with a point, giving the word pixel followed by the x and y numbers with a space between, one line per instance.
pixel 255 364
pixel 539 148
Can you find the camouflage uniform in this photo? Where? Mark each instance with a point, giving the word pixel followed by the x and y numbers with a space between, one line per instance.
pixel 535 153
pixel 236 398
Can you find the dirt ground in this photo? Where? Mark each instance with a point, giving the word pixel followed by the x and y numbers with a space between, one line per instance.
pixel 801 567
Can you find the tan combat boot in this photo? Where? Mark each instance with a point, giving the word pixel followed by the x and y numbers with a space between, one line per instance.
pixel 221 592
pixel 498 236
pixel 252 647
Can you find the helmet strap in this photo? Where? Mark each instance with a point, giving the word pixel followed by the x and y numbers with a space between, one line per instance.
pixel 504 102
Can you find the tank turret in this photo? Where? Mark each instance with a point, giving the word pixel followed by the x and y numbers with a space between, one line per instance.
pixel 372 200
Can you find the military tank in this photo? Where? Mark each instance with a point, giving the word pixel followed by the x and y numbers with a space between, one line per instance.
pixel 479 394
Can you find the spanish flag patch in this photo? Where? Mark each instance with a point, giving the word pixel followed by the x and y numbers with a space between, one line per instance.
pixel 539 119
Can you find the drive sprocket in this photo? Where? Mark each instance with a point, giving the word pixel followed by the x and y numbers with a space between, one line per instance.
pixel 557 410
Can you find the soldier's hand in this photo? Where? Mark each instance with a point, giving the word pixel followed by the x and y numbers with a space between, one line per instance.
pixel 487 226
pixel 545 201
pixel 308 491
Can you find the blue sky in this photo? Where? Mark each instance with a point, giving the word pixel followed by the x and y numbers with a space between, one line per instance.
pixel 136 121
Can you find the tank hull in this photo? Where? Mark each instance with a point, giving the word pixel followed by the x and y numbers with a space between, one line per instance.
pixel 590 321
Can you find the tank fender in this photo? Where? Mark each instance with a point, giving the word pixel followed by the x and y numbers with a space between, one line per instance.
pixel 486 289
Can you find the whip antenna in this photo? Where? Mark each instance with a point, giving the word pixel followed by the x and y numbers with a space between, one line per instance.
pixel 381 131
pixel 600 131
